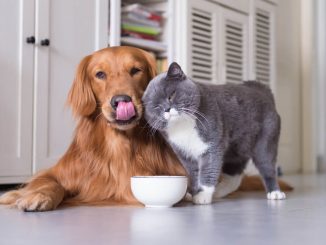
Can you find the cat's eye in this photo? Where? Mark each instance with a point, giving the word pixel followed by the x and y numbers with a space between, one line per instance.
pixel 100 75
pixel 134 71
pixel 172 96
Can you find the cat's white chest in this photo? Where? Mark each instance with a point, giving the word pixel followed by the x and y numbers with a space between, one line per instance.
pixel 181 132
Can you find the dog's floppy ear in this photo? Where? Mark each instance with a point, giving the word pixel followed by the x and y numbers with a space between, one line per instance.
pixel 152 70
pixel 81 97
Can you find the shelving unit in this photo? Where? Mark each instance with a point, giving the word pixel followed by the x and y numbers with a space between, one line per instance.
pixel 162 48
pixel 215 41
pixel 150 45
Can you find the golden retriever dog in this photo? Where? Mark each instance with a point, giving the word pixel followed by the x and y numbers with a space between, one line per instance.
pixel 111 142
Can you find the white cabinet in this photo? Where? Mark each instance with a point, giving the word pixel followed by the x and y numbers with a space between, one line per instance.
pixel 75 29
pixel 200 27
pixel 36 128
pixel 196 39
pixel 234 35
pixel 262 49
pixel 16 95
pixel 213 42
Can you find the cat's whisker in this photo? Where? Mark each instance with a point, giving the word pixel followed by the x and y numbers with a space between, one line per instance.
pixel 154 129
pixel 153 124
pixel 146 126
pixel 148 103
pixel 196 112
pixel 196 118
pixel 150 123
pixel 200 121
pixel 98 116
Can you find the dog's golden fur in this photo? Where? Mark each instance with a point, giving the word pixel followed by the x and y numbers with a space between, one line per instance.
pixel 103 154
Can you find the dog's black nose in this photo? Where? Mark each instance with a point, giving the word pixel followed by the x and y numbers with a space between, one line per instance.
pixel 119 98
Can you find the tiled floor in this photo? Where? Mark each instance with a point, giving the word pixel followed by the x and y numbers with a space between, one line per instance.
pixel 244 218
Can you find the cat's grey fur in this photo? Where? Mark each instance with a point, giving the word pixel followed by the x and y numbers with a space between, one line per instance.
pixel 231 124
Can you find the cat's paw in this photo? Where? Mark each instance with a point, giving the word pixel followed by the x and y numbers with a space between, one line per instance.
pixel 203 197
pixel 187 197
pixel 276 195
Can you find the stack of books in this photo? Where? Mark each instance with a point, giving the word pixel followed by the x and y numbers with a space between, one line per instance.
pixel 141 26
pixel 161 65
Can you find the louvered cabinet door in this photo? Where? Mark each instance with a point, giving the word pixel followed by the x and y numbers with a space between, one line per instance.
pixel 263 41
pixel 196 36
pixel 234 46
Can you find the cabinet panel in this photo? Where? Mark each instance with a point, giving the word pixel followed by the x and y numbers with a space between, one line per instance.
pixel 75 29
pixel 196 40
pixel 16 96
pixel 234 46
pixel 216 43
pixel 263 42
pixel 202 44
pixel 242 5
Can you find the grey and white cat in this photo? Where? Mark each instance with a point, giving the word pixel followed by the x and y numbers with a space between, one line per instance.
pixel 215 129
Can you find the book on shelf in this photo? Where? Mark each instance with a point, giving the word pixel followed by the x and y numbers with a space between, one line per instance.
pixel 161 65
pixel 145 44
pixel 139 35
pixel 141 28
pixel 137 19
pixel 143 11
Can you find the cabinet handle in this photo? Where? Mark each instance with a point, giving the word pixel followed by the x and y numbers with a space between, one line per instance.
pixel 45 42
pixel 30 39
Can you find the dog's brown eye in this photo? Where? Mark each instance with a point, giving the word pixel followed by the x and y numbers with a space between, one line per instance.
pixel 100 75
pixel 134 70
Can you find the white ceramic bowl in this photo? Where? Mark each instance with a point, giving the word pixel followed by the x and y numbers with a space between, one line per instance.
pixel 159 191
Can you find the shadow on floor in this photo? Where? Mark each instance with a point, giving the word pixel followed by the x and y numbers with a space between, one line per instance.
pixel 8 187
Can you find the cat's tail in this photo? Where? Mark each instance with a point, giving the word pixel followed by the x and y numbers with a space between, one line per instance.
pixel 255 183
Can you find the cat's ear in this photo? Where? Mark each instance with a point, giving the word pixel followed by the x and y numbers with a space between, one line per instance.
pixel 175 72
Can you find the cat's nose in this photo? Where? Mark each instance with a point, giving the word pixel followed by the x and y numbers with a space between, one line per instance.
pixel 167 109
pixel 166 115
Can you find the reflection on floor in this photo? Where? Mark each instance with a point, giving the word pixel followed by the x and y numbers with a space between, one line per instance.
pixel 243 218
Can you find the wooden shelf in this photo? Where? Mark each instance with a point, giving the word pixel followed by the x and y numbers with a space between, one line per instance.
pixel 155 46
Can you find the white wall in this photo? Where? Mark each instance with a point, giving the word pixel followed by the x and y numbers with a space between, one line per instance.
pixel 288 45
pixel 308 86
pixel 321 82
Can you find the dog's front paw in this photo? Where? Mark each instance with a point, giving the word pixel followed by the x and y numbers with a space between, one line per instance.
pixel 35 202
pixel 276 195
pixel 10 197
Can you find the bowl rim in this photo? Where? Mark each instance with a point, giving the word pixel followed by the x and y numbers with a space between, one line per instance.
pixel 159 177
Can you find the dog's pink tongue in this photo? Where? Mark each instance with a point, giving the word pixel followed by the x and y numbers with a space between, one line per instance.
pixel 125 111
